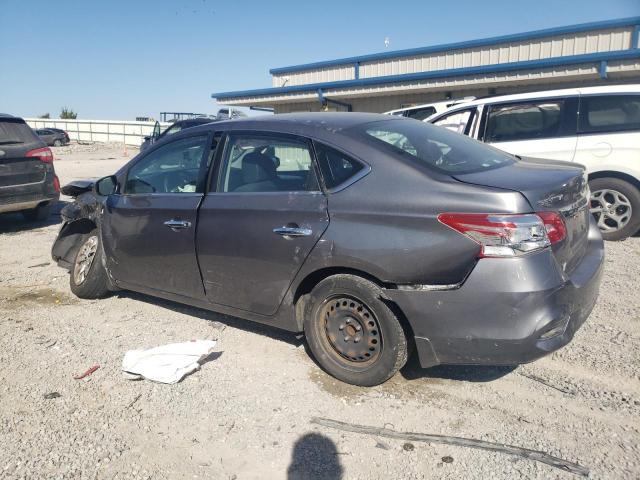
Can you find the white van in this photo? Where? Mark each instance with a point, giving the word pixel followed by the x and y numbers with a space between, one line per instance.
pixel 598 127
pixel 426 110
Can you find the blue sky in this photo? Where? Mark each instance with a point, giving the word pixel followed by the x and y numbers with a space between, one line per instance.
pixel 120 59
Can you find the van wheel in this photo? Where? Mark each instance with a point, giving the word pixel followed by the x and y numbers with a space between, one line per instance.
pixel 615 204
pixel 38 214
pixel 88 277
pixel 352 333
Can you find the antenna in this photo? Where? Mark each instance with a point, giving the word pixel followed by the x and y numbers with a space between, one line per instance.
pixel 386 42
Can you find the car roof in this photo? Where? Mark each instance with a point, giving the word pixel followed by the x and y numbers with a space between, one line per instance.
pixel 602 89
pixel 306 120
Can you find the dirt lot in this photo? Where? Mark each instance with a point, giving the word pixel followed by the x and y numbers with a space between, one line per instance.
pixel 247 413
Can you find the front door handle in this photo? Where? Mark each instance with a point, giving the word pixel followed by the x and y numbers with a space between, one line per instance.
pixel 176 225
pixel 293 231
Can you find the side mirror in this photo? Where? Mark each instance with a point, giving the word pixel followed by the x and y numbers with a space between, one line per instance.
pixel 106 186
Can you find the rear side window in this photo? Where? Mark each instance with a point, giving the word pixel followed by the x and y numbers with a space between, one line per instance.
pixel 15 131
pixel 609 113
pixel 269 163
pixel 436 148
pixel 421 113
pixel 524 121
pixel 336 167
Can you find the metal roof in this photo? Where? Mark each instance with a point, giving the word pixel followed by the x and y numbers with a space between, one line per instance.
pixel 582 27
pixel 495 68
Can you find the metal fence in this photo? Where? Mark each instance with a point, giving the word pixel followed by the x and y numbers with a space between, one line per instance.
pixel 129 132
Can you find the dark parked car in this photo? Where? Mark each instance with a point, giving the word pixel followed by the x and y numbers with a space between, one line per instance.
pixel 370 234
pixel 173 129
pixel 53 137
pixel 28 182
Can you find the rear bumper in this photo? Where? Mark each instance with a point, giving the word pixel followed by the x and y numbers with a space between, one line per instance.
pixel 508 311
pixel 25 202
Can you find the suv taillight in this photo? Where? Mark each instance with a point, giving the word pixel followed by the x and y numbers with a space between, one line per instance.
pixel 507 235
pixel 43 154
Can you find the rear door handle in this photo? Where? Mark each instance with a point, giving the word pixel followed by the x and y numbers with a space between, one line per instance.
pixel 177 224
pixel 293 231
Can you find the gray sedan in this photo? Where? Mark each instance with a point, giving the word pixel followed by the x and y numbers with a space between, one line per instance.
pixel 372 235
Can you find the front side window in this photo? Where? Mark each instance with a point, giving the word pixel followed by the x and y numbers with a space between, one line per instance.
pixel 267 164
pixel 524 121
pixel 336 167
pixel 436 148
pixel 176 167
pixel 456 121
pixel 609 113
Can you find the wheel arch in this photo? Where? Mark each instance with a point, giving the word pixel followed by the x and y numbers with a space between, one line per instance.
pixel 68 241
pixel 312 279
pixel 615 174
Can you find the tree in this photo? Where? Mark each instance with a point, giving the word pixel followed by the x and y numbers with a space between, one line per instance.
pixel 68 114
pixel 46 115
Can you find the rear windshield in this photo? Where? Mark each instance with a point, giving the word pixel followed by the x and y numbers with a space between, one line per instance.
pixel 15 131
pixel 435 147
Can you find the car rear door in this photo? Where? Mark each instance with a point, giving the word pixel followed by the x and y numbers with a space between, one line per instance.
pixel 149 226
pixel 609 133
pixel 263 216
pixel 541 128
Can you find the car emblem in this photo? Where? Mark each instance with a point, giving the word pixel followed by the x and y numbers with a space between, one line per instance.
pixel 1 153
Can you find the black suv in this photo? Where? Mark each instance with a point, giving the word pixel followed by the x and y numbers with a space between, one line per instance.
pixel 28 182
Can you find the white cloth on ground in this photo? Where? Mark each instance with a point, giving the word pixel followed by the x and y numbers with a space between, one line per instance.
pixel 167 363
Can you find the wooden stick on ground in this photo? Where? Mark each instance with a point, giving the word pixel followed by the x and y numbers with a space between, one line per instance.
pixel 458 441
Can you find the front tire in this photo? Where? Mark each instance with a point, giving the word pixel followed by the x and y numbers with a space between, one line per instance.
pixel 352 333
pixel 615 204
pixel 88 277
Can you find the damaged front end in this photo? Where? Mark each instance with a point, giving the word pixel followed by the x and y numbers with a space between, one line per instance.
pixel 79 218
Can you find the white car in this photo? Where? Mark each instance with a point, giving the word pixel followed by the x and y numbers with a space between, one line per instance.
pixel 598 127
pixel 426 110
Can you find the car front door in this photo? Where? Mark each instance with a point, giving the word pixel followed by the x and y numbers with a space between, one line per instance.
pixel 261 219
pixel 149 226
pixel 544 128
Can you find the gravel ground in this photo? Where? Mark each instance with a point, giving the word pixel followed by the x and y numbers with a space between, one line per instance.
pixel 247 413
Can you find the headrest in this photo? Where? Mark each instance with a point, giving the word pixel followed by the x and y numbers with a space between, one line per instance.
pixel 257 167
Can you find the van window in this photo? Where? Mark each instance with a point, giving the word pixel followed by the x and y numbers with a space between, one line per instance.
pixel 524 121
pixel 421 113
pixel 456 121
pixel 609 113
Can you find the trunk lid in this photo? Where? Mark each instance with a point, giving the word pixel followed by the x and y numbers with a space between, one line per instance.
pixel 548 185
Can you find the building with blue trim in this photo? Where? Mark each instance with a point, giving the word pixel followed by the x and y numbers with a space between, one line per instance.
pixel 577 55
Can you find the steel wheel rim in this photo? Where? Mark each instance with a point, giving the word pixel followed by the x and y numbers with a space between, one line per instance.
pixel 351 330
pixel 84 260
pixel 611 209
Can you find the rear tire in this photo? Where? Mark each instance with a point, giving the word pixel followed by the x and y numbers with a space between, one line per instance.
pixel 352 333
pixel 57 143
pixel 38 214
pixel 88 277
pixel 615 204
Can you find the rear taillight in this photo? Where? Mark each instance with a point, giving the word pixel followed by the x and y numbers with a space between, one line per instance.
pixel 43 154
pixel 554 225
pixel 507 235
pixel 56 183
